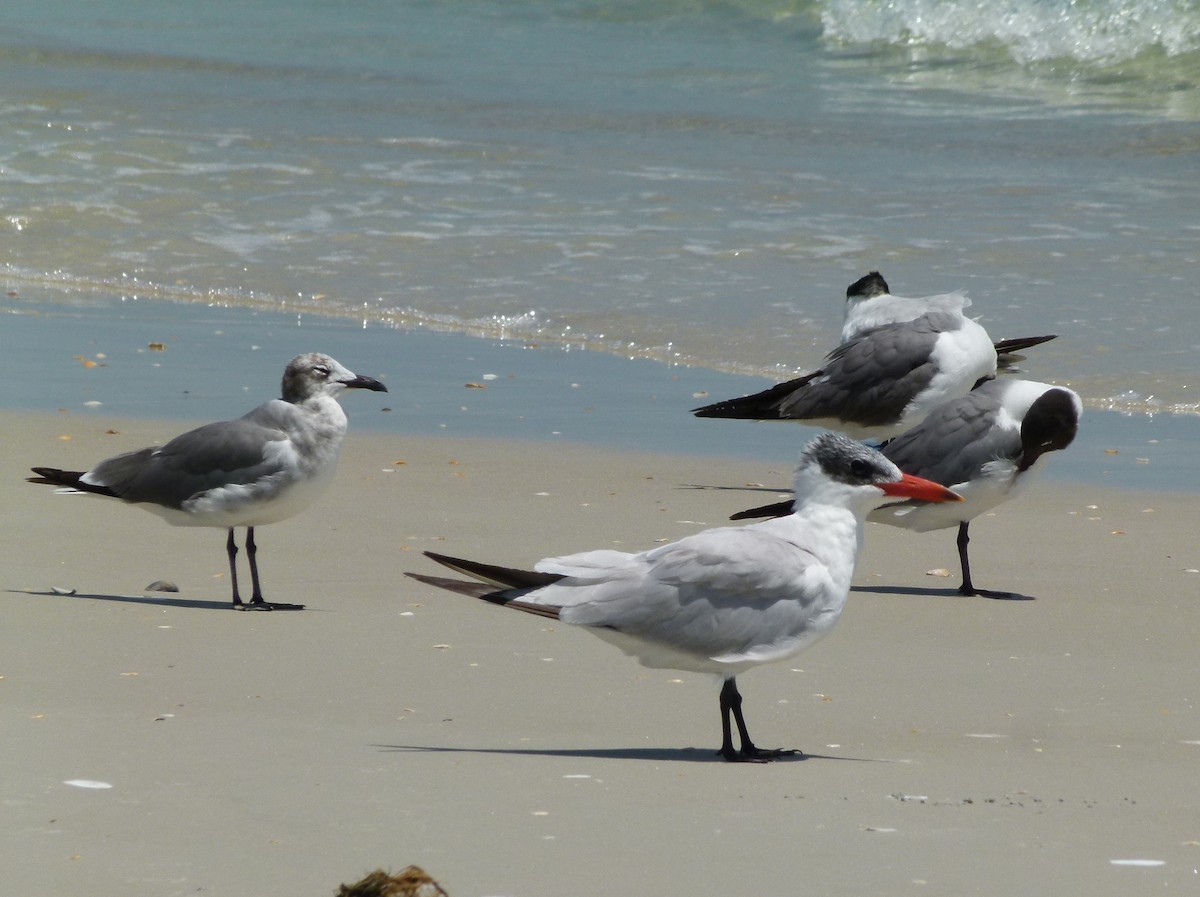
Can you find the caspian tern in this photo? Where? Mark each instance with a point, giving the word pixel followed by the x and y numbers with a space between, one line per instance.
pixel 983 446
pixel 260 468
pixel 870 304
pixel 724 600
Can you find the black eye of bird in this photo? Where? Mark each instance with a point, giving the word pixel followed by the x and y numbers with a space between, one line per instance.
pixel 859 467
pixel 321 371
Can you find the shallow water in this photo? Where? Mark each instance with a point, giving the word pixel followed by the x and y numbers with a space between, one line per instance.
pixel 122 358
pixel 679 180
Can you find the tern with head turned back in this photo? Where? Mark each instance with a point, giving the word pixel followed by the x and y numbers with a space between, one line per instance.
pixel 260 468
pixel 724 600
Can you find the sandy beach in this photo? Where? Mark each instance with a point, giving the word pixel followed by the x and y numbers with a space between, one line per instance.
pixel 553 230
pixel 952 746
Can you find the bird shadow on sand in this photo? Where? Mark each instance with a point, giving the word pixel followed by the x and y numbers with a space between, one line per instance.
pixel 941 593
pixel 155 600
pixel 780 490
pixel 654 755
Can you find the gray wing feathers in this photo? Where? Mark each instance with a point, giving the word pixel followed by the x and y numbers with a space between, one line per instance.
pixel 218 454
pixel 871 379
pixel 956 440
pixel 729 595
pixel 717 569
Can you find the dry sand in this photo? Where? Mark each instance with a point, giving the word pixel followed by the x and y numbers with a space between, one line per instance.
pixel 953 746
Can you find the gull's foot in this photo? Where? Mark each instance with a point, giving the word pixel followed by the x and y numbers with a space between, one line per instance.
pixel 992 593
pixel 751 754
pixel 267 605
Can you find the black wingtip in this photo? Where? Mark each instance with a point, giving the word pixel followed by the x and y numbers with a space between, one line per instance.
pixel 733 409
pixel 497 576
pixel 763 405
pixel 779 509
pixel 471 588
pixel 52 476
pixel 67 479
pixel 1017 343
pixel 486 590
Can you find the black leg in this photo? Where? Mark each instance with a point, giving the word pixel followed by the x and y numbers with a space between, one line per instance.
pixel 967 587
pixel 252 553
pixel 231 549
pixel 731 705
pixel 256 599
pixel 727 751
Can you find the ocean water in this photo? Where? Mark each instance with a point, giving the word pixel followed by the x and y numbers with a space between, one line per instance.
pixel 114 357
pixel 689 182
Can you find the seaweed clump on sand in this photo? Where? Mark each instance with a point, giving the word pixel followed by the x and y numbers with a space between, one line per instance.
pixel 410 882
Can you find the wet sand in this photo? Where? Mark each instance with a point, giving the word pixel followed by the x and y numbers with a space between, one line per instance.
pixel 952 746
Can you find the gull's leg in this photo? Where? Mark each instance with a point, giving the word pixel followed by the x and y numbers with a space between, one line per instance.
pixel 256 599
pixel 731 705
pixel 252 553
pixel 727 751
pixel 231 549
pixel 968 587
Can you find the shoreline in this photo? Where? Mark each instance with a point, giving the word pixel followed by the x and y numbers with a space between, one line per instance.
pixel 955 745
pixel 245 309
pixel 218 364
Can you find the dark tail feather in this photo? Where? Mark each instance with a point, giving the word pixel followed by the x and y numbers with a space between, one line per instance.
pixel 501 577
pixel 484 592
pixel 471 589
pixel 779 509
pixel 512 583
pixel 69 479
pixel 760 406
pixel 1017 343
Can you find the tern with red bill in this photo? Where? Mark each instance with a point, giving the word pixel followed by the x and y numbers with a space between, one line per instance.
pixel 262 467
pixel 724 600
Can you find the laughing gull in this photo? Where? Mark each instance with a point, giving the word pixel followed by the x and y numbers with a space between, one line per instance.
pixel 881 382
pixel 870 304
pixel 724 600
pixel 983 446
pixel 260 468
pixel 899 358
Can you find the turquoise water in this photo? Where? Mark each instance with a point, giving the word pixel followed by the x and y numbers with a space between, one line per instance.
pixel 683 181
